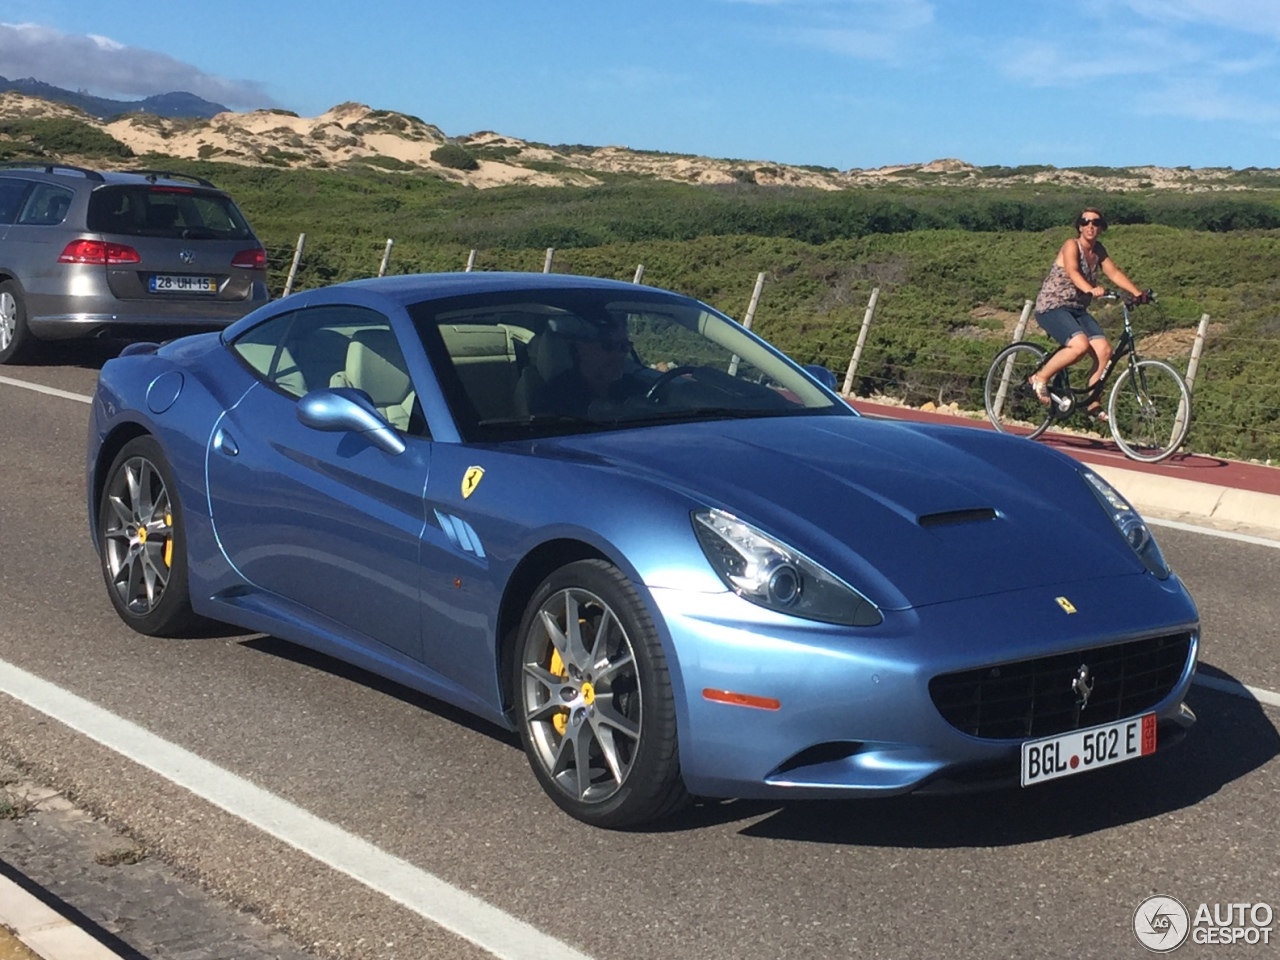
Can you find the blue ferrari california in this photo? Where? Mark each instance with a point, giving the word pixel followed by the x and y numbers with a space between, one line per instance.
pixel 611 518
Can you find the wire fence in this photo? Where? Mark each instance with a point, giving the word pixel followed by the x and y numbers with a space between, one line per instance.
pixel 1233 398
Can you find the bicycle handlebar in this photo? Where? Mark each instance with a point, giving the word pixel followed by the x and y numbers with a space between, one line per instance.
pixel 1148 296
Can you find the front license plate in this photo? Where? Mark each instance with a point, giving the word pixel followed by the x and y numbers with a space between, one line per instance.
pixel 1081 750
pixel 179 283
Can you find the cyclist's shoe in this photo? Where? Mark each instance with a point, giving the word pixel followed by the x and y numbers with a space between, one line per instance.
pixel 1097 414
pixel 1040 388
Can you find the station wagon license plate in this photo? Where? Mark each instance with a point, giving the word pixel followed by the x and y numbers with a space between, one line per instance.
pixel 179 283
pixel 1081 750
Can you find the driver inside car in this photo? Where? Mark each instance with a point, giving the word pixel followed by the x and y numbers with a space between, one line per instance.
pixel 598 379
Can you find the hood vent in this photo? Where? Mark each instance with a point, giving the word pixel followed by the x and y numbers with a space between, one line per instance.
pixel 957 516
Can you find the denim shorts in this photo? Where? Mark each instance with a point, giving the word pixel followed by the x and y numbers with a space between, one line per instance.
pixel 1063 323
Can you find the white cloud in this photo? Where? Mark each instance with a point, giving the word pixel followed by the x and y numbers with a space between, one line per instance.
pixel 1206 101
pixel 884 30
pixel 108 68
pixel 1254 17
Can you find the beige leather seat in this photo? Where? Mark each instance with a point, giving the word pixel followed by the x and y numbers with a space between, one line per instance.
pixel 376 366
pixel 549 355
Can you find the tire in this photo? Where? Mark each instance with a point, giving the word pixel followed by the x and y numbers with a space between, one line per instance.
pixel 1150 411
pixel 1011 404
pixel 15 336
pixel 142 543
pixel 620 716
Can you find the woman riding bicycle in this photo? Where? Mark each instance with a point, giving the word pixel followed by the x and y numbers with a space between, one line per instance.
pixel 1062 306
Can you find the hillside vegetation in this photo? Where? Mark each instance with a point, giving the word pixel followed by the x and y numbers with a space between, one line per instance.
pixel 955 257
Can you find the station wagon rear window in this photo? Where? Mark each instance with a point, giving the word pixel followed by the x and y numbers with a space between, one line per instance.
pixel 139 210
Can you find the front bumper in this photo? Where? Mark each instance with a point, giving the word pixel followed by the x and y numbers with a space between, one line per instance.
pixel 856 716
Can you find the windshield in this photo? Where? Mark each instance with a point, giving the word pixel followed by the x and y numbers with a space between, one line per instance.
pixel 555 362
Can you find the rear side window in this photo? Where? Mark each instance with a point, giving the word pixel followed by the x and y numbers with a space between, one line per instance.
pixel 46 205
pixel 11 191
pixel 178 212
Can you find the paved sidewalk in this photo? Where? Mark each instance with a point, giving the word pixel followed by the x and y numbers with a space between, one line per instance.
pixel 72 887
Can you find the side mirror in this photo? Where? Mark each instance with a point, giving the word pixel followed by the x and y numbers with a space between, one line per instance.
pixel 344 410
pixel 821 374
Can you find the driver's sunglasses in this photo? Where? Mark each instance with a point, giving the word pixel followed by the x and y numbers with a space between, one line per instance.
pixel 1092 222
pixel 614 346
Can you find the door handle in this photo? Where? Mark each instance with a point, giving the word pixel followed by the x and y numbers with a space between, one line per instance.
pixel 223 443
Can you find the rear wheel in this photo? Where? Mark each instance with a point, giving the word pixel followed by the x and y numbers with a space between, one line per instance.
pixel 1011 404
pixel 1150 411
pixel 593 699
pixel 142 543
pixel 15 337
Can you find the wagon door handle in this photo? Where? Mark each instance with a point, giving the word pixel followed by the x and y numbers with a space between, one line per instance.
pixel 223 443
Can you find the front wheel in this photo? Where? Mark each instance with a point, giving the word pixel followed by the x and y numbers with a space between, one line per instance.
pixel 593 699
pixel 1150 411
pixel 1011 404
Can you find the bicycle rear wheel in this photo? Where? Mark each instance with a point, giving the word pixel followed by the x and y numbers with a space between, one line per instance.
pixel 1150 410
pixel 1011 403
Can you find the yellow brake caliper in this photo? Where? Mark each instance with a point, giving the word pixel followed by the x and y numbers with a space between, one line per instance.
pixel 168 544
pixel 561 719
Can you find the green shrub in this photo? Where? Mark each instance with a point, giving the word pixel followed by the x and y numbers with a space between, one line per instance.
pixel 455 157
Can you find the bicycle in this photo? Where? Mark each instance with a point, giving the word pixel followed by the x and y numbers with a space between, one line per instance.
pixel 1149 410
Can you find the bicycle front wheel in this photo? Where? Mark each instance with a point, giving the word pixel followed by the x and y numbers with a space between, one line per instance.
pixel 1150 410
pixel 1011 403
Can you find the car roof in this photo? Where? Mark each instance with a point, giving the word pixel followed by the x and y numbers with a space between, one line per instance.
pixel 409 289
pixel 419 287
pixel 62 173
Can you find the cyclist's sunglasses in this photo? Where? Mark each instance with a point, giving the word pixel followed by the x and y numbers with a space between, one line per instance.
pixel 1098 222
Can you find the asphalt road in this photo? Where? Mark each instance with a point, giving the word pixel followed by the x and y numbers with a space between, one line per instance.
pixel 1050 872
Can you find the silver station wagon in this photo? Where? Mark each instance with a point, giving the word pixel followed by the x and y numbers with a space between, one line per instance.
pixel 87 253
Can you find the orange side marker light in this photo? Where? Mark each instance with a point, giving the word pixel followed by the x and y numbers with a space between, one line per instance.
pixel 741 699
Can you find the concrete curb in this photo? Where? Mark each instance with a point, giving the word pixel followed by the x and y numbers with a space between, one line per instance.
pixel 45 931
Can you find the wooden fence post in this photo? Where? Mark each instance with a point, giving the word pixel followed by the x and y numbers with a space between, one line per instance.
pixel 293 270
pixel 746 321
pixel 1197 346
pixel 386 257
pixel 862 339
pixel 546 264
pixel 471 261
pixel 1018 331
pixel 1193 366
pixel 639 274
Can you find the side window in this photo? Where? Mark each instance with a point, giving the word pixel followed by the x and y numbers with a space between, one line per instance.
pixel 338 346
pixel 11 193
pixel 46 206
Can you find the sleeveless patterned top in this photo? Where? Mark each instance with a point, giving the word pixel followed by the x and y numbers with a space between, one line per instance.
pixel 1058 290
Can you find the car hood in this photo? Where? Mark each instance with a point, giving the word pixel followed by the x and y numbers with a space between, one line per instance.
pixel 909 514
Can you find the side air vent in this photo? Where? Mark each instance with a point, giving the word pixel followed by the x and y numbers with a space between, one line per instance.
pixel 957 516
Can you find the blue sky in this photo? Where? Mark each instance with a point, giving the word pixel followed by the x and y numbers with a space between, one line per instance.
pixel 839 83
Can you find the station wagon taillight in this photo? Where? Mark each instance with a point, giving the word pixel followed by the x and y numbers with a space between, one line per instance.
pixel 255 259
pixel 97 251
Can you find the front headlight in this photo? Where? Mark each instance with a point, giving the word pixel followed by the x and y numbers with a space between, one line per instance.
pixel 760 569
pixel 1131 526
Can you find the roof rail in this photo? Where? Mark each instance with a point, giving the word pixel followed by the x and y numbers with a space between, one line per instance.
pixel 154 175
pixel 50 168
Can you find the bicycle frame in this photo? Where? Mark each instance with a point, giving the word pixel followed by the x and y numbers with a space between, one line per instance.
pixel 1065 398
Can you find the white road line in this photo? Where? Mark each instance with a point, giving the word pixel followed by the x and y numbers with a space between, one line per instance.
pixel 1239 690
pixel 51 391
pixel 1212 532
pixel 427 895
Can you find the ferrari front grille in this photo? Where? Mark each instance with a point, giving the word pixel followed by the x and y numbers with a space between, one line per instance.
pixel 1066 691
